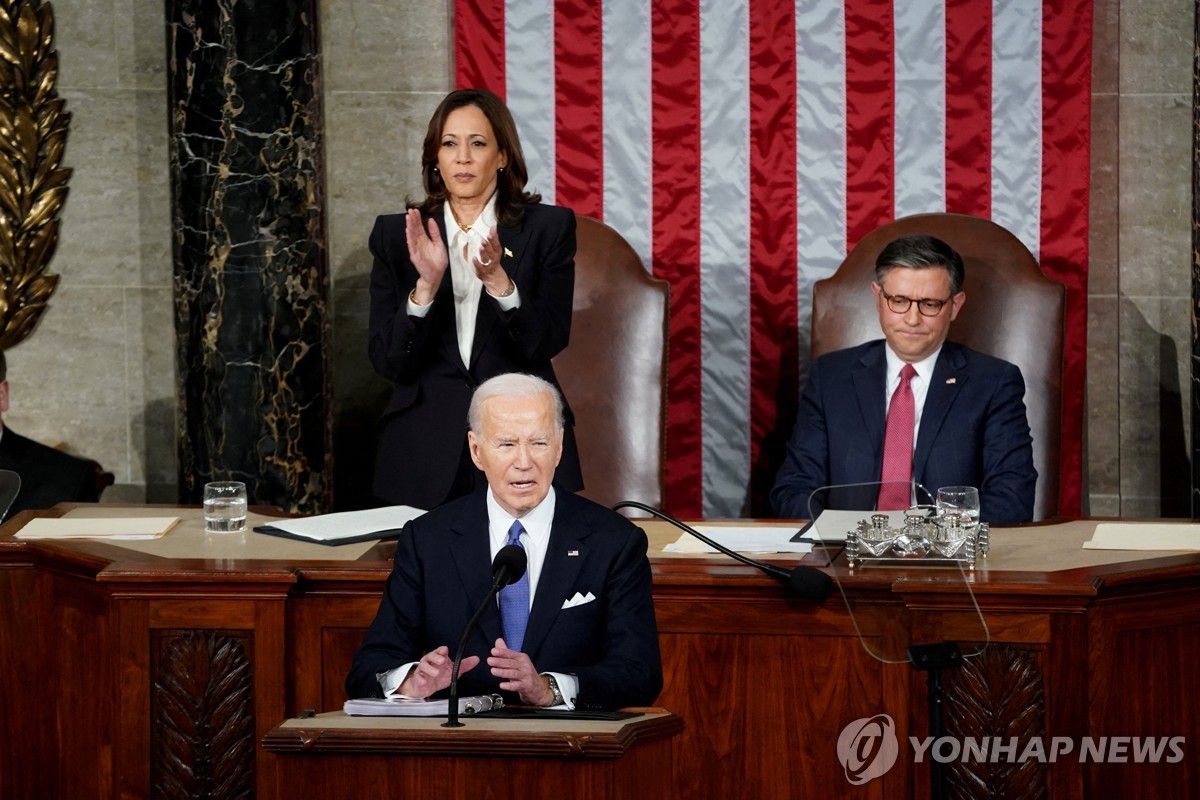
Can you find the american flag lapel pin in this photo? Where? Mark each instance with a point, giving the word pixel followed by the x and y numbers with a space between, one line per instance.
pixel 572 553
pixel 951 380
pixel 508 252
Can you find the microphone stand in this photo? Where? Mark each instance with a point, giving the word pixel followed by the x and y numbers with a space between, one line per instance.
pixel 804 581
pixel 452 716
pixel 770 569
pixel 932 659
pixel 508 566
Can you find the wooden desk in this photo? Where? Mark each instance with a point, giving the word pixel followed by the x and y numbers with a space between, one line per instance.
pixel 332 755
pixel 129 674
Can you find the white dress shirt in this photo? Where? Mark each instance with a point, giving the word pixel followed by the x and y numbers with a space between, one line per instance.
pixel 535 540
pixel 463 247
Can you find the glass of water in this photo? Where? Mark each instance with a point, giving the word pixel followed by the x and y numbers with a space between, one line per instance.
pixel 225 507
pixel 960 501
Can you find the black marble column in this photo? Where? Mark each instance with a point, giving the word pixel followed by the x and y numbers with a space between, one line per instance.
pixel 1196 264
pixel 251 274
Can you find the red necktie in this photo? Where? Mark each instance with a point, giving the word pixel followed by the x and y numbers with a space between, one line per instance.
pixel 898 446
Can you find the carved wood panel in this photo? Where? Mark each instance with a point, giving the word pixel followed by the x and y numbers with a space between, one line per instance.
pixel 997 694
pixel 202 715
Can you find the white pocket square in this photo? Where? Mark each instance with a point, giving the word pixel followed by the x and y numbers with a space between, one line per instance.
pixel 579 600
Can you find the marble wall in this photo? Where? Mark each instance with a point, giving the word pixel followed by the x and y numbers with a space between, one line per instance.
pixel 98 373
pixel 1139 327
pixel 251 279
pixel 387 65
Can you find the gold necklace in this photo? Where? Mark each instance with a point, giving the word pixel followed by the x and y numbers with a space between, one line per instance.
pixel 465 228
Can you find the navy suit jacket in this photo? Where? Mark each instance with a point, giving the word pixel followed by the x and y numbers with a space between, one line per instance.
pixel 48 476
pixel 442 572
pixel 973 431
pixel 423 429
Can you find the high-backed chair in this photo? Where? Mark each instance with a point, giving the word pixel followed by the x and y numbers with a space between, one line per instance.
pixel 10 487
pixel 1013 311
pixel 614 370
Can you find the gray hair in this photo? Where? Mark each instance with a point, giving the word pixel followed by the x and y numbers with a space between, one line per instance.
pixel 513 384
pixel 921 252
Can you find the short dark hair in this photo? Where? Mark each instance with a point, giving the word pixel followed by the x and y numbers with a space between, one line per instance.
pixel 3 367
pixel 511 197
pixel 921 252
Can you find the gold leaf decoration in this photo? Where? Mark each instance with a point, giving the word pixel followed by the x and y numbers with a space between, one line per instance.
pixel 202 716
pixel 33 183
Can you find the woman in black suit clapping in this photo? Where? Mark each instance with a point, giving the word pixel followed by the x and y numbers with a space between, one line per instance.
pixel 475 281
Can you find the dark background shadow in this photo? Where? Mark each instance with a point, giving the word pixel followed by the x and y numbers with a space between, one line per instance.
pixel 359 393
pixel 1156 380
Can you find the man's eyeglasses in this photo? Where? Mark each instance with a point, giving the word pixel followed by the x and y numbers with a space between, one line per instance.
pixel 900 304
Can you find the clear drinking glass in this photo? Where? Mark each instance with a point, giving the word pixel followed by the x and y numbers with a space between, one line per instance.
pixel 225 507
pixel 962 501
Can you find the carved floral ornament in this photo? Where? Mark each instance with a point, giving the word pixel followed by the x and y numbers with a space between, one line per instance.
pixel 33 184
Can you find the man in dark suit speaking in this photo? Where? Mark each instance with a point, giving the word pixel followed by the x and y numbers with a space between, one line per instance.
pixel 577 631
pixel 913 406
pixel 48 476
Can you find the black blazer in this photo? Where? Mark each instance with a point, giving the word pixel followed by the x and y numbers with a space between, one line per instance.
pixel 48 476
pixel 442 572
pixel 424 426
pixel 973 432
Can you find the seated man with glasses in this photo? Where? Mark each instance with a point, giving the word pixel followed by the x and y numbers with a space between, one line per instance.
pixel 913 406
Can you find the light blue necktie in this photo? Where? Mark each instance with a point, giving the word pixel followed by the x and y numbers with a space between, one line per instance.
pixel 514 598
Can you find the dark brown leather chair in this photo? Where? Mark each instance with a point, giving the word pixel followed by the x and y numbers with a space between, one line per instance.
pixel 614 370
pixel 1013 312
pixel 104 479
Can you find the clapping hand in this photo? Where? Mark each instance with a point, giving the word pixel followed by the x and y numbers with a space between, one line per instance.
pixel 488 269
pixel 428 254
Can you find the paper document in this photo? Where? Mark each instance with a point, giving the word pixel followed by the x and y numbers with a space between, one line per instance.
pixel 96 528
pixel 749 539
pixel 414 707
pixel 1142 536
pixel 344 527
pixel 831 526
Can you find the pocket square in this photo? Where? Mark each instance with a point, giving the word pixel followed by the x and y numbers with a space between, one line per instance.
pixel 579 600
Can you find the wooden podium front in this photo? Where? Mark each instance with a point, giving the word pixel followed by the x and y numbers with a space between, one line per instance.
pixel 158 669
pixel 333 756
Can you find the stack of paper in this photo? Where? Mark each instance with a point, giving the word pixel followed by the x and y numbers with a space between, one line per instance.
pixel 415 707
pixel 90 528
pixel 1144 536
pixel 344 527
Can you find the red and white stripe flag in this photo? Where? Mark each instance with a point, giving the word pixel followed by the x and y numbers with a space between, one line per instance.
pixel 744 146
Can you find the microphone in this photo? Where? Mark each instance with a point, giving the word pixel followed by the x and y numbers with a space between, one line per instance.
pixel 507 567
pixel 802 581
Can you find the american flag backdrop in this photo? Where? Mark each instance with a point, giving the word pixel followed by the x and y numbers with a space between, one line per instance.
pixel 744 146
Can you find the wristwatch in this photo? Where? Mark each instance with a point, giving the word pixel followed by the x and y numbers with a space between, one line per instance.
pixel 558 695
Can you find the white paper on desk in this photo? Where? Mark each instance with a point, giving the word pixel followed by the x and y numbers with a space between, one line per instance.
pixel 831 525
pixel 348 524
pixel 1142 536
pixel 750 539
pixel 416 707
pixel 96 528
